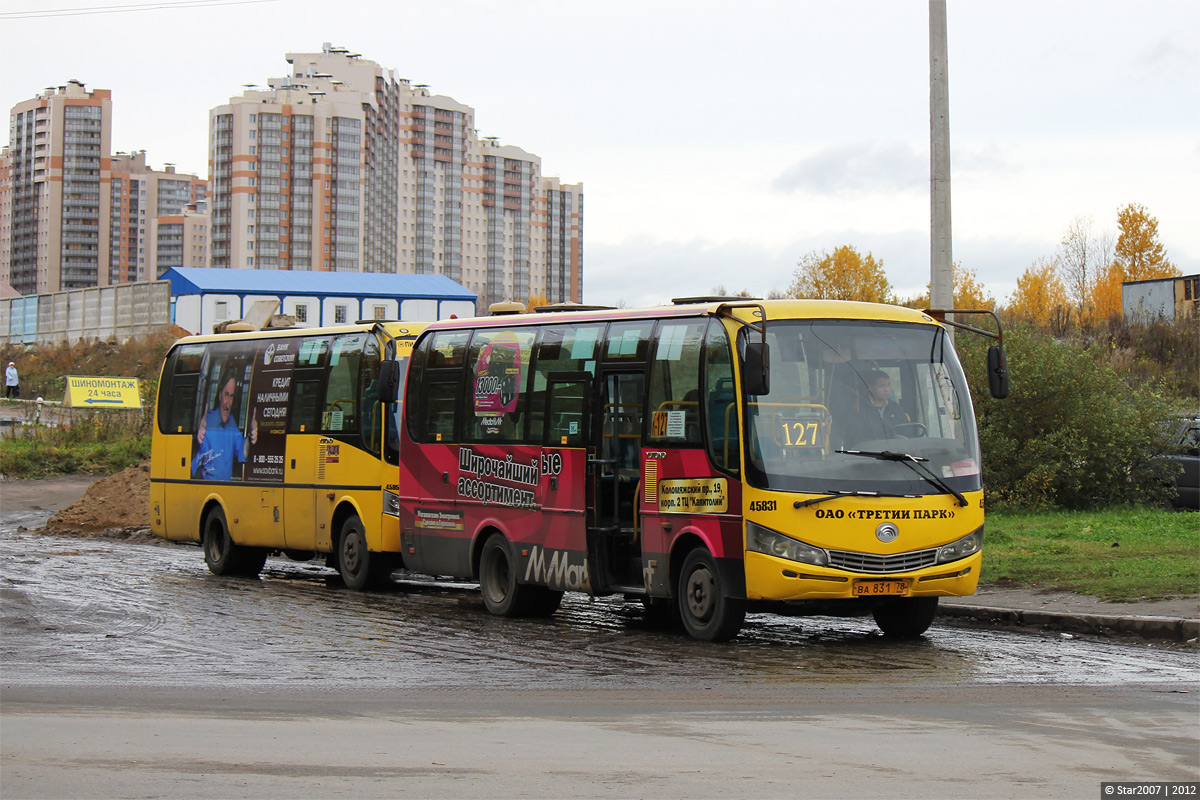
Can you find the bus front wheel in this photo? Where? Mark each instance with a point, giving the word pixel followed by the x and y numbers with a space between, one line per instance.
pixel 707 612
pixel 358 566
pixel 905 617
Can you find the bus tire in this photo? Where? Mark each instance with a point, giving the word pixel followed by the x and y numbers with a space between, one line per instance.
pixel 503 595
pixel 354 559
pixel 707 612
pixel 220 554
pixel 905 617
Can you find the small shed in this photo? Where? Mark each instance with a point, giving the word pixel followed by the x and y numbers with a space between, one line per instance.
pixel 204 297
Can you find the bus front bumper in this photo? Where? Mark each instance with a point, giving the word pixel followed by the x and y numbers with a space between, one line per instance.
pixel 771 578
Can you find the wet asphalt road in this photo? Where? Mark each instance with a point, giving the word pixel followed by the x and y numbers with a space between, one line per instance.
pixel 79 610
pixel 99 633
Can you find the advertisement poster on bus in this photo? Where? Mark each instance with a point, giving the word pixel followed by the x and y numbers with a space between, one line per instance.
pixel 242 413
pixel 270 393
pixel 497 381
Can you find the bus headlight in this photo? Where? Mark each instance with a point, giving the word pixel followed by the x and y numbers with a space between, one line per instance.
pixel 969 545
pixel 391 503
pixel 765 540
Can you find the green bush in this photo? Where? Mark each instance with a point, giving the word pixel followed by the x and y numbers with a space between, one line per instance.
pixel 1075 432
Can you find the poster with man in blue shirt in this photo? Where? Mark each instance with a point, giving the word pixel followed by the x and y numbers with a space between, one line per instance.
pixel 221 443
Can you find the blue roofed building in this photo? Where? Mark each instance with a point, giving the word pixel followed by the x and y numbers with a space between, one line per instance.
pixel 202 298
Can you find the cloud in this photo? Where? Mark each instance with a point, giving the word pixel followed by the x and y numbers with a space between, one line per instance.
pixel 863 166
pixel 645 271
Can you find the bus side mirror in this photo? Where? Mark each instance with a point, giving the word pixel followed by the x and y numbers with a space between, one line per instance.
pixel 389 381
pixel 997 372
pixel 756 379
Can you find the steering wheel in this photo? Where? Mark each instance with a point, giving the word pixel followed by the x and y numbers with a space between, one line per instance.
pixel 918 429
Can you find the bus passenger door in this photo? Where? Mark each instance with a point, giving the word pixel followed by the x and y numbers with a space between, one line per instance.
pixel 614 471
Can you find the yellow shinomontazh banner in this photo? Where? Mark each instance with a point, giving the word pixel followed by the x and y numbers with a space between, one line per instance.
pixel 99 392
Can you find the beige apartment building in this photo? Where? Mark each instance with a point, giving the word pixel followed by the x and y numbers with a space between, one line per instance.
pixel 157 219
pixel 74 216
pixel 51 201
pixel 344 167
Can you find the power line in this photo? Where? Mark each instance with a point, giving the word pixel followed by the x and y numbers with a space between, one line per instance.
pixel 162 5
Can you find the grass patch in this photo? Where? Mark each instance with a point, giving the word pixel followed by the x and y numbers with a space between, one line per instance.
pixel 30 458
pixel 1122 554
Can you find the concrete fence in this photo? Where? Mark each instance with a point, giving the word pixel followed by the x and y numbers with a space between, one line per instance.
pixel 117 312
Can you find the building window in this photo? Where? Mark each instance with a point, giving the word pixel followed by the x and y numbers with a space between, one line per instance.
pixel 339 315
pixel 380 311
pixel 301 313
pixel 221 310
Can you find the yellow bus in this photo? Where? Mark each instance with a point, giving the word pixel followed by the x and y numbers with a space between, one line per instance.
pixel 286 442
pixel 708 458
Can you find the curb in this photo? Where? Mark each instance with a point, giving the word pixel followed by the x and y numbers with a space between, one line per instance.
pixel 1160 628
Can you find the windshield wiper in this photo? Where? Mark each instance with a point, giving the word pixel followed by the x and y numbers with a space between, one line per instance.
pixel 834 494
pixel 916 464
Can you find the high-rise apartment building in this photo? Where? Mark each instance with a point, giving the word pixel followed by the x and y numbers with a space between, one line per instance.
pixel 74 216
pixel 344 167
pixel 156 222
pixel 51 205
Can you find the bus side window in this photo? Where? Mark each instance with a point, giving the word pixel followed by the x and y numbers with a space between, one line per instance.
pixel 675 383
pixel 441 401
pixel 369 403
pixel 564 359
pixel 566 409
pixel 341 412
pixel 305 416
pixel 720 406
pixel 177 394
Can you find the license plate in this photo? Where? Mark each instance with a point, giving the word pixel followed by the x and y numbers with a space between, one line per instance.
pixel 877 588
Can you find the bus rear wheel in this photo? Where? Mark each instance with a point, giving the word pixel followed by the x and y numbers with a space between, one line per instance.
pixel 503 594
pixel 905 617
pixel 707 612
pixel 222 556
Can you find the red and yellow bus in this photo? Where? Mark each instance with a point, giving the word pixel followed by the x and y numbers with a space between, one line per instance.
pixel 706 457
pixel 283 441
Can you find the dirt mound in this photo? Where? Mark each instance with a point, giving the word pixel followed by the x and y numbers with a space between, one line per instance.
pixel 114 506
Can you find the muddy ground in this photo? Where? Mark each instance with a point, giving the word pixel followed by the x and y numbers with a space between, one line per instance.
pixel 116 507
pixel 113 507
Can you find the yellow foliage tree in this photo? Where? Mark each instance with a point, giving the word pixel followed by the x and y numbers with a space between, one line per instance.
pixel 969 291
pixel 1106 293
pixel 536 301
pixel 843 274
pixel 1040 297
pixel 1138 254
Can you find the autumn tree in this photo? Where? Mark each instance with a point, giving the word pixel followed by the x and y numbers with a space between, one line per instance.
pixel 1082 259
pixel 969 291
pixel 536 301
pixel 1040 297
pixel 1138 253
pixel 1106 293
pixel 843 274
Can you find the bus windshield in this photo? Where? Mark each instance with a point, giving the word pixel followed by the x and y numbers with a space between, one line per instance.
pixel 861 406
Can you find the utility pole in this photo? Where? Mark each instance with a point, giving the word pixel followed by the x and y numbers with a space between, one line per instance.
pixel 941 278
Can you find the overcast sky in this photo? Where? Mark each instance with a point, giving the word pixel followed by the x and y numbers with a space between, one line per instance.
pixel 718 142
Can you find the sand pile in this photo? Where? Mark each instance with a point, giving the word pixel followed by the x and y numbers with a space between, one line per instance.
pixel 114 506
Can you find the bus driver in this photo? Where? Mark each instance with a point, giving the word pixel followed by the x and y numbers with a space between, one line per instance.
pixel 879 415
